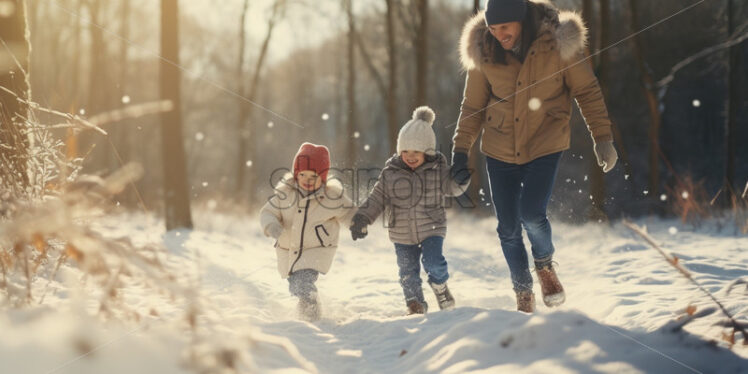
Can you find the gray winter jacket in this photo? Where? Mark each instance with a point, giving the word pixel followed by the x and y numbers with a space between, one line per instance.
pixel 412 200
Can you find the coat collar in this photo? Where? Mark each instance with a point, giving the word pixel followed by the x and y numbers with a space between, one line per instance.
pixel 288 185
pixel 564 30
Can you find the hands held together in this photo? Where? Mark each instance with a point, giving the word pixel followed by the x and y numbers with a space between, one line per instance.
pixel 358 226
pixel 459 170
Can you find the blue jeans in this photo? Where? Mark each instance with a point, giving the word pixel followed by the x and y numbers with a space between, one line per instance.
pixel 301 284
pixel 434 263
pixel 520 195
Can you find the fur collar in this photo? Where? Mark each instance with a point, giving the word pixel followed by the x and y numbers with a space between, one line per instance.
pixel 566 28
pixel 287 185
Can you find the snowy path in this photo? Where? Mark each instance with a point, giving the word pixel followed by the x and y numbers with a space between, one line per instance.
pixel 620 294
pixel 619 291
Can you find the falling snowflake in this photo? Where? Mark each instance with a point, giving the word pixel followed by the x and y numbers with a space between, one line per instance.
pixel 663 197
pixel 356 134
pixel 646 192
pixel 249 163
pixel 684 195
pixel 585 178
pixel 580 191
pixel 696 103
pixel 205 184
pixel 672 230
pixel 125 99
pixel 626 177
pixel 481 192
pixel 270 124
pixel 7 8
pixel 367 148
pixel 82 112
pixel 212 204
pixel 568 180
pixel 199 136
pixel 325 116
pixel 534 104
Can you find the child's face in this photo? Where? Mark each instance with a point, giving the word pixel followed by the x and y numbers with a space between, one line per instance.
pixel 413 159
pixel 309 180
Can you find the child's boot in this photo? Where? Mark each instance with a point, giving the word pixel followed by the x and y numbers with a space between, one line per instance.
pixel 443 296
pixel 309 309
pixel 416 307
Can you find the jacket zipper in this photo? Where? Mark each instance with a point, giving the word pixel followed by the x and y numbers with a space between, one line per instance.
pixel 301 244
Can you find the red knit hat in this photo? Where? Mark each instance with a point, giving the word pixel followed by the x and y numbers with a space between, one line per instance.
pixel 312 157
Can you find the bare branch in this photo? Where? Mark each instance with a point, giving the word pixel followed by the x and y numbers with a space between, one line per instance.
pixel 673 261
pixel 370 64
pixel 738 37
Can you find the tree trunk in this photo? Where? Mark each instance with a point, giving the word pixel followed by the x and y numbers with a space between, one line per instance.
pixel 733 104
pixel 242 124
pixel 351 89
pixel 648 87
pixel 597 180
pixel 14 65
pixel 588 14
pixel 121 133
pixel 176 193
pixel 391 98
pixel 246 152
pixel 421 50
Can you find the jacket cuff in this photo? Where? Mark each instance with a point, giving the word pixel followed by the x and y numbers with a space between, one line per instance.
pixel 461 150
pixel 603 138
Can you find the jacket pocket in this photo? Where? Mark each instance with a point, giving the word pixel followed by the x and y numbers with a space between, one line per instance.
pixel 322 235
pixel 437 215
pixel 495 118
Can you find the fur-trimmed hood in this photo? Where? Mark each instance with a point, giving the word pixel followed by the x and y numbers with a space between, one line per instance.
pixel 565 28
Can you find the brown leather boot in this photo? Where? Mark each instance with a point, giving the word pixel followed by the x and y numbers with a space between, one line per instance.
pixel 526 301
pixel 416 307
pixel 553 291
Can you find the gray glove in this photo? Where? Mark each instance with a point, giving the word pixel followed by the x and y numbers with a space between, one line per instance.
pixel 274 230
pixel 606 155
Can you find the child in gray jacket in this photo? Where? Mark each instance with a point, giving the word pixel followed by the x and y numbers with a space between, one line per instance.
pixel 410 191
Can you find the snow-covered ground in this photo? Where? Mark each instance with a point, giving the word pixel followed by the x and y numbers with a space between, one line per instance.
pixel 622 301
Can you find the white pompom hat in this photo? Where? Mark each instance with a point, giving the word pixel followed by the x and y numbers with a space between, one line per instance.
pixel 417 134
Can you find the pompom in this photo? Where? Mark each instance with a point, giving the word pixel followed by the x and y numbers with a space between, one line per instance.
pixel 425 114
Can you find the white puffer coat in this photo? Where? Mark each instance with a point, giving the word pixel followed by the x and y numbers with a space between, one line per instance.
pixel 311 224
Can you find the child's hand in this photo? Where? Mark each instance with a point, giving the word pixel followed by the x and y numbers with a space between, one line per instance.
pixel 274 230
pixel 358 226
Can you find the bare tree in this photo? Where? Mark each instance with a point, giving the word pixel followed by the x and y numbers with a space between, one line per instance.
pixel 733 104
pixel 388 92
pixel 392 107
pixel 648 89
pixel 176 195
pixel 351 88
pixel 250 92
pixel 421 51
pixel 597 180
pixel 14 65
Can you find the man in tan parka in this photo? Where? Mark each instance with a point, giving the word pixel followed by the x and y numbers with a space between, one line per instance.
pixel 525 62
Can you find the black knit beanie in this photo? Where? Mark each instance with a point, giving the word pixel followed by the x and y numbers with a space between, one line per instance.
pixel 503 11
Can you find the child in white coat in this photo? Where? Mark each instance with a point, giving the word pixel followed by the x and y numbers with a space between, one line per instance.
pixel 304 216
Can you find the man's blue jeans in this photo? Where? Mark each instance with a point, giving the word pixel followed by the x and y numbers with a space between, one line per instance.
pixel 429 251
pixel 520 195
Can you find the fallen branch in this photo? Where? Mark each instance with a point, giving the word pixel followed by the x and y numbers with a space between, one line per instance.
pixel 673 261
